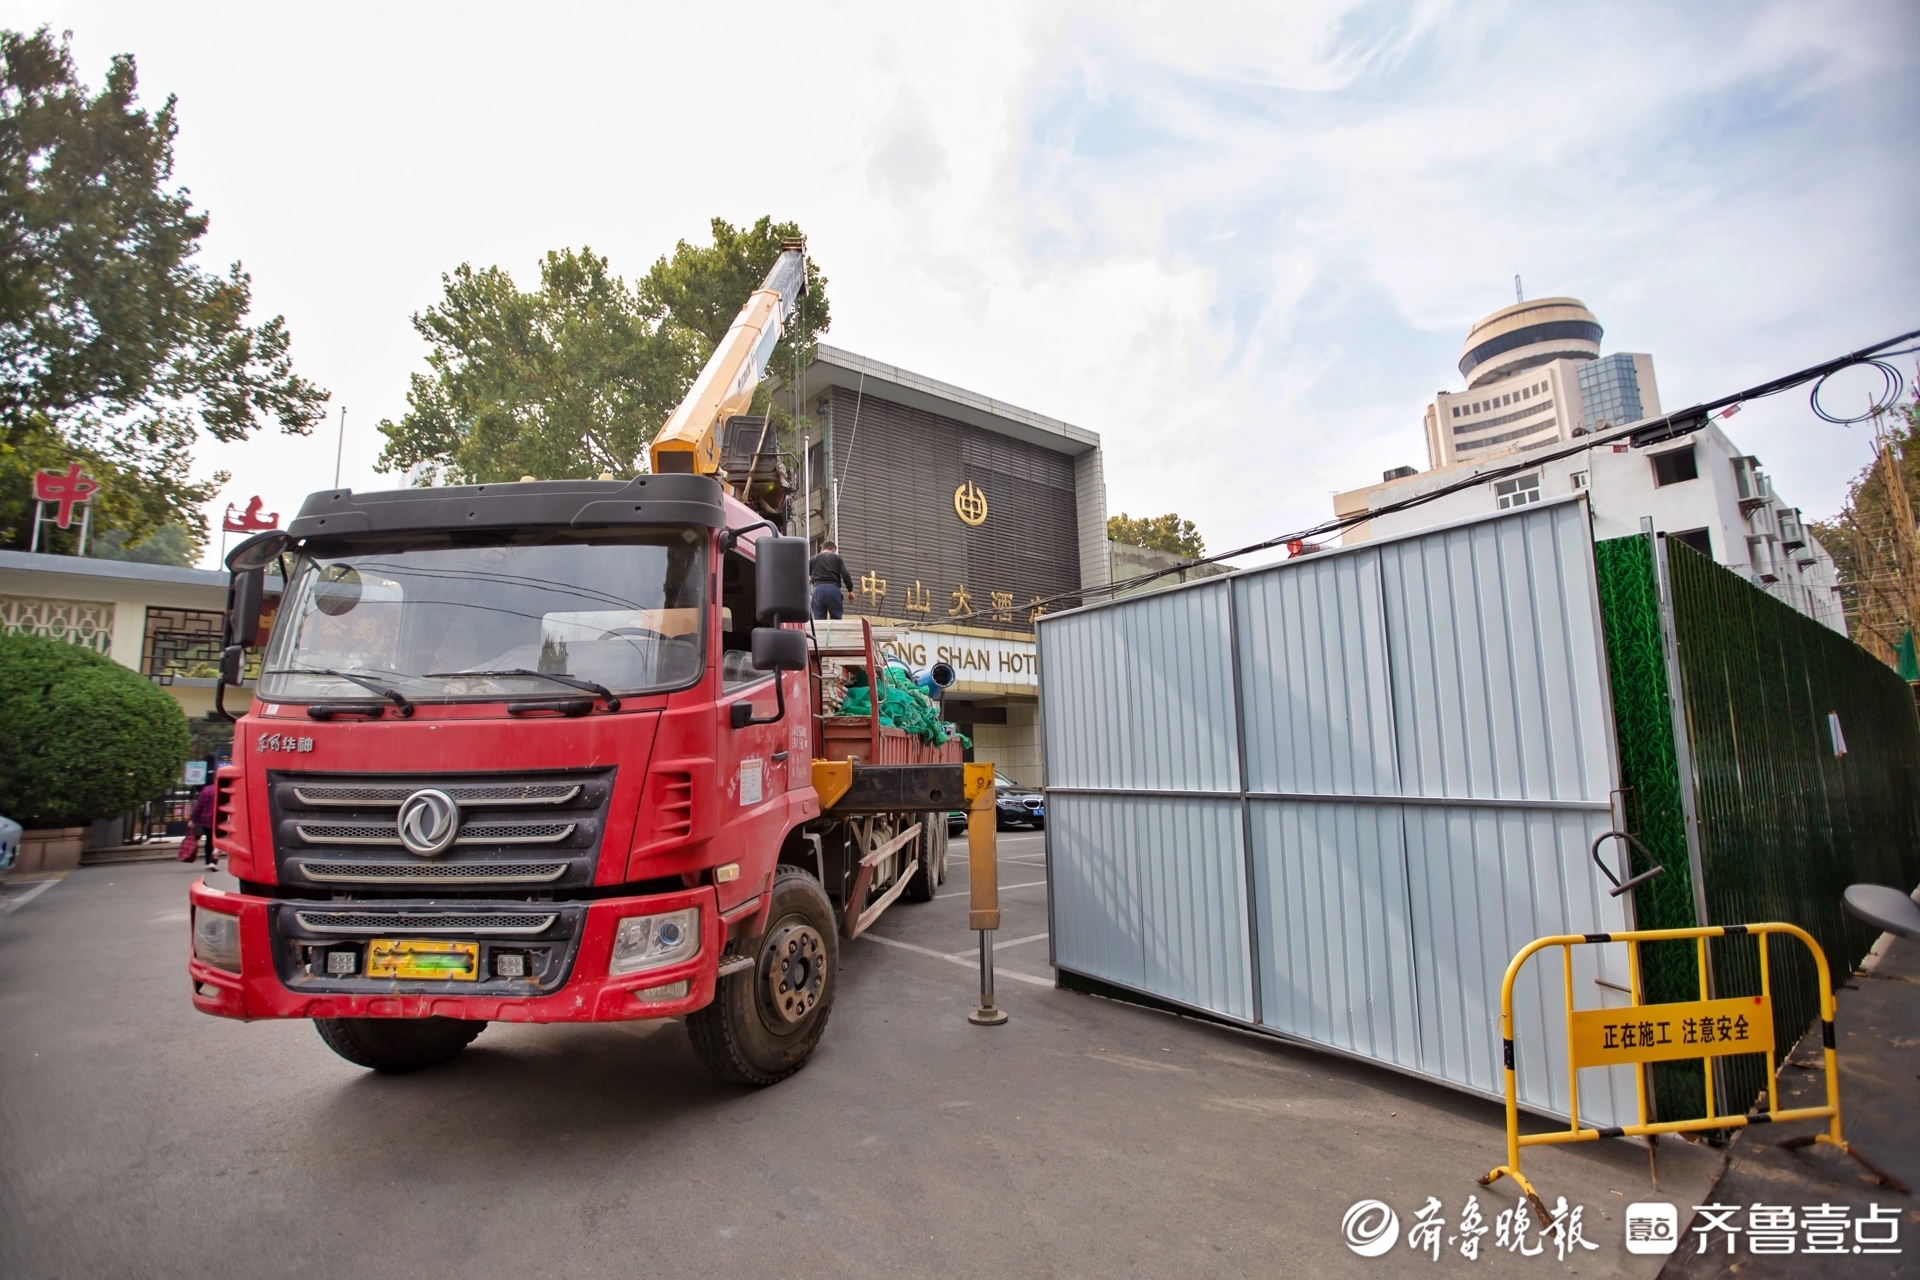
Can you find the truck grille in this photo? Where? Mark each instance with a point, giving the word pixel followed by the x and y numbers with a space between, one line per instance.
pixel 469 795
pixel 470 833
pixel 434 872
pixel 338 830
pixel 541 941
pixel 517 924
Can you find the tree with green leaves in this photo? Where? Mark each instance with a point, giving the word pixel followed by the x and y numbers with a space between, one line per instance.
pixel 1167 533
pixel 573 378
pixel 63 701
pixel 1868 540
pixel 116 349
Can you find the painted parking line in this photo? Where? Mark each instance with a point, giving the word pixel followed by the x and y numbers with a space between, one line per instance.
pixel 961 893
pixel 999 946
pixel 12 904
pixel 1015 974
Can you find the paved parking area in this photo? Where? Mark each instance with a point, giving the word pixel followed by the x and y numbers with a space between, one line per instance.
pixel 1084 1138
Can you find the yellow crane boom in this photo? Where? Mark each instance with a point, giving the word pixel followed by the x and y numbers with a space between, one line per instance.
pixel 690 440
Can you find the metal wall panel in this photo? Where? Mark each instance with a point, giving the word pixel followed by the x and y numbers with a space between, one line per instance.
pixel 1498 684
pixel 1314 678
pixel 1336 954
pixel 1484 882
pixel 1428 754
pixel 1139 696
pixel 1157 897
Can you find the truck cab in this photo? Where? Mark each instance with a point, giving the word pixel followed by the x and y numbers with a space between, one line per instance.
pixel 533 752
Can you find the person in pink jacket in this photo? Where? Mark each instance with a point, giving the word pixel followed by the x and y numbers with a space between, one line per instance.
pixel 200 816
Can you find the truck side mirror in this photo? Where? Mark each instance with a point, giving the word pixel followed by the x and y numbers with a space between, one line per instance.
pixel 780 582
pixel 773 650
pixel 259 551
pixel 243 605
pixel 230 659
pixel 777 650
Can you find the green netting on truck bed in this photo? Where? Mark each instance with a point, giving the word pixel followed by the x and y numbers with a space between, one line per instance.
pixel 903 705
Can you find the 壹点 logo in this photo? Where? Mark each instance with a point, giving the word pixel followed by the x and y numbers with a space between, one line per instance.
pixel 428 822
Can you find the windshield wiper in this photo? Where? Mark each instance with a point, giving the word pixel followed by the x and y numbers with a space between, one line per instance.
pixel 613 700
pixel 386 691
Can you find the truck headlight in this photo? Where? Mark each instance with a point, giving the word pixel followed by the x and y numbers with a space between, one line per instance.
pixel 216 939
pixel 647 942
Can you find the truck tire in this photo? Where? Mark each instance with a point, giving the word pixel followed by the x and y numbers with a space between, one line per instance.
pixel 933 862
pixel 397 1045
pixel 765 1022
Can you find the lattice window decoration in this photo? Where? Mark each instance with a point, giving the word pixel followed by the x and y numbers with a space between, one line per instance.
pixel 86 623
pixel 182 643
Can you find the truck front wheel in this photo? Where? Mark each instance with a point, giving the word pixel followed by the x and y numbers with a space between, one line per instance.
pixel 765 1022
pixel 397 1045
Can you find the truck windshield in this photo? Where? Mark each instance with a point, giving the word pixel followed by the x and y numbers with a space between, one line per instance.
pixel 426 615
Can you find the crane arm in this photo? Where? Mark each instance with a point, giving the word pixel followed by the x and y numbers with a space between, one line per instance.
pixel 690 440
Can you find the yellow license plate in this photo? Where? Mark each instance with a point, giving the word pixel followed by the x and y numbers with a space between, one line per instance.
pixel 428 958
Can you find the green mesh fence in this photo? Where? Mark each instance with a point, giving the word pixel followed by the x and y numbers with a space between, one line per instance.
pixel 1785 823
pixel 1650 776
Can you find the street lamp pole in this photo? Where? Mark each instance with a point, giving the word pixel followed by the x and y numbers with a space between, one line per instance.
pixel 341 449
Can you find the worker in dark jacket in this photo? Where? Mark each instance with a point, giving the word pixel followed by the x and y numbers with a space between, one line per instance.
pixel 828 573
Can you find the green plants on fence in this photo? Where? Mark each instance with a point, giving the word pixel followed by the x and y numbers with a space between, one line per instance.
pixel 1805 776
pixel 1650 776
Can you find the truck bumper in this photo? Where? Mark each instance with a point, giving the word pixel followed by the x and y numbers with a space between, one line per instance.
pixel 589 993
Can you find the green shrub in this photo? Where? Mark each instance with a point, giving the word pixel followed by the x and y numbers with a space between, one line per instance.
pixel 81 737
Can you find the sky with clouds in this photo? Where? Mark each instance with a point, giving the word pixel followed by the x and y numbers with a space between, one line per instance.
pixel 1241 242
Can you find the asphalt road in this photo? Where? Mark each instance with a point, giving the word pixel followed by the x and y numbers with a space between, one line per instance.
pixel 1085 1137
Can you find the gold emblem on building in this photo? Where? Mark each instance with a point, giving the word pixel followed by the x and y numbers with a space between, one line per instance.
pixel 970 504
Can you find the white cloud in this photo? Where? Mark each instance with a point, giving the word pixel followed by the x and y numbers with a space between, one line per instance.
pixel 1243 242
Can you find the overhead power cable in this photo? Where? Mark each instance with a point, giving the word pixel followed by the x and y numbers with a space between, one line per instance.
pixel 1640 434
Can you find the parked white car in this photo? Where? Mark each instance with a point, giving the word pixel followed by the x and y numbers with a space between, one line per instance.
pixel 9 842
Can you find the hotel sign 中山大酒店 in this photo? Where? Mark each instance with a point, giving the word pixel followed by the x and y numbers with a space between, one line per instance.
pixel 981 663
pixel 961 518
pixel 951 509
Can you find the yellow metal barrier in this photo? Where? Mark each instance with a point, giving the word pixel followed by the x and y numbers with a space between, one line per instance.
pixel 1641 1033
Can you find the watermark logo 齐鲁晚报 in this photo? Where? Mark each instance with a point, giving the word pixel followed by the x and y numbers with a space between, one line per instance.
pixel 1371 1228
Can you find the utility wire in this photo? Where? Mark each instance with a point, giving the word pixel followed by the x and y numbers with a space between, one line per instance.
pixel 1647 432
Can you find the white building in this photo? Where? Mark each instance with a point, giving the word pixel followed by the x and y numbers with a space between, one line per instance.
pixel 166 623
pixel 1535 374
pixel 1699 488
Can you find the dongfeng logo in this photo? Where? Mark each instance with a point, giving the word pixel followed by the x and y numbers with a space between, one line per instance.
pixel 428 822
pixel 1371 1228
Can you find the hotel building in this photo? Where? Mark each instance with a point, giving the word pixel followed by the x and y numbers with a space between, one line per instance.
pixel 1535 375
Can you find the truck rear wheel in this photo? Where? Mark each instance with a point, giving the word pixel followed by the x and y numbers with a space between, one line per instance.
pixel 765 1022
pixel 933 861
pixel 397 1045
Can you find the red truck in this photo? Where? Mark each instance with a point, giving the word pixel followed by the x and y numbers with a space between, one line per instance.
pixel 558 752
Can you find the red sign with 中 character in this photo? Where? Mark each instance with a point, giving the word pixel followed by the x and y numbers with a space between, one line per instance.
pixel 67 491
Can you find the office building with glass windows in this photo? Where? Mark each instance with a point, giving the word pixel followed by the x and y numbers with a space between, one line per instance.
pixel 1534 375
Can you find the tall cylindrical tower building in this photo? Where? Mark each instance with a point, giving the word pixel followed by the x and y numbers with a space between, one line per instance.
pixel 1534 375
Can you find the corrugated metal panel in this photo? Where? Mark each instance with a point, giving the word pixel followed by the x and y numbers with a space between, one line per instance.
pixel 1484 882
pixel 1497 679
pixel 1428 756
pixel 1313 678
pixel 1139 697
pixel 1336 963
pixel 1149 893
